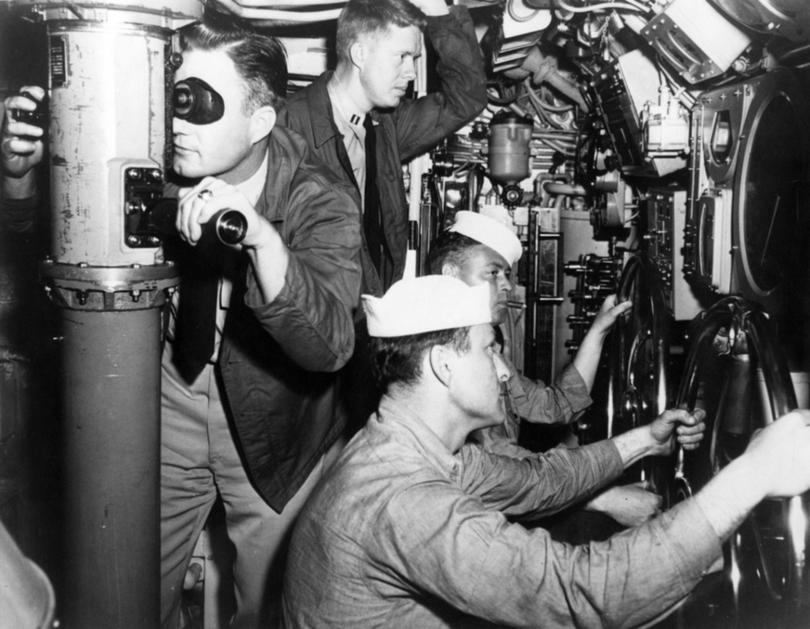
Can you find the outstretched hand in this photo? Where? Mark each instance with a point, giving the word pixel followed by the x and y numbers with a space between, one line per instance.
pixel 780 455
pixel 609 313
pixel 586 360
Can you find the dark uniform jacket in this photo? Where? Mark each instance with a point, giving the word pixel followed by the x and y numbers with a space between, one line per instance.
pixel 277 359
pixel 402 133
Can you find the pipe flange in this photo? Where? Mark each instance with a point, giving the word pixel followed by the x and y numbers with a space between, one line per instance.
pixel 84 287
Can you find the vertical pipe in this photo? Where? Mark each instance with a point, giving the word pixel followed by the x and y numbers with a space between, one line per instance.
pixel 112 446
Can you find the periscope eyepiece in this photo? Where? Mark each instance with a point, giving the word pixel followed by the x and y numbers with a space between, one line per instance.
pixel 197 102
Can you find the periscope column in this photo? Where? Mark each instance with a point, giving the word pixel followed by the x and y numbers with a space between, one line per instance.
pixel 108 79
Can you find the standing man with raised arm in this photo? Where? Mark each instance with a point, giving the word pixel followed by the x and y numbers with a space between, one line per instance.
pixel 359 120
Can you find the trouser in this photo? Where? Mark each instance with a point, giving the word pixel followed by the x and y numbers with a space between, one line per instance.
pixel 198 459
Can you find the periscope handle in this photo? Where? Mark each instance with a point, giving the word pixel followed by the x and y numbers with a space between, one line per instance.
pixel 230 226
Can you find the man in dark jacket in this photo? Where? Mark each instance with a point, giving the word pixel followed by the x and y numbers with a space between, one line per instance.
pixel 357 121
pixel 256 422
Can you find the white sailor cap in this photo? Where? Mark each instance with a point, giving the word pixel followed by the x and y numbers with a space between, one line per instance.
pixel 490 232
pixel 427 303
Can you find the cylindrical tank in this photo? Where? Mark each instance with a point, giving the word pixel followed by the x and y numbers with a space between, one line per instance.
pixel 509 152
pixel 107 106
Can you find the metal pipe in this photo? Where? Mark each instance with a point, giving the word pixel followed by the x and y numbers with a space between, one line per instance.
pixel 475 178
pixel 112 468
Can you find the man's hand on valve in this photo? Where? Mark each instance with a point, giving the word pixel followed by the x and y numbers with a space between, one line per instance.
pixel 677 425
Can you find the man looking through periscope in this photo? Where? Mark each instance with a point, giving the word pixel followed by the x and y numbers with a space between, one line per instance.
pixel 265 396
pixel 256 332
pixel 479 250
pixel 411 528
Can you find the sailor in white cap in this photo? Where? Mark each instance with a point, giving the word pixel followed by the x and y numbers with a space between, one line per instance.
pixel 413 524
pixel 480 250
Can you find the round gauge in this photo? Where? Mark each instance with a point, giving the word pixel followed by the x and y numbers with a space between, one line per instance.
pixel 768 195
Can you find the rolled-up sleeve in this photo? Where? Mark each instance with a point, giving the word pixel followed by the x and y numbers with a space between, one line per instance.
pixel 541 484
pixel 541 404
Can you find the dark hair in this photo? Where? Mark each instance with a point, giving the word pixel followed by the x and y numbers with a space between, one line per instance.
pixel 450 247
pixel 398 360
pixel 371 16
pixel 260 59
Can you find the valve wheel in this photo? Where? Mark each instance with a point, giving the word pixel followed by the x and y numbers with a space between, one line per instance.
pixel 638 351
pixel 738 374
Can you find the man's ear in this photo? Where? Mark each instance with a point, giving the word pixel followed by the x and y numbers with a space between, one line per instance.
pixel 262 122
pixel 441 363
pixel 357 53
pixel 448 268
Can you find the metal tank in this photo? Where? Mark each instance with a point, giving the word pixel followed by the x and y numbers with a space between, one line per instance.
pixel 107 85
pixel 509 153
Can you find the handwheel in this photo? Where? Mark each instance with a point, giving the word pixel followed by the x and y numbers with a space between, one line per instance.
pixel 637 355
pixel 764 561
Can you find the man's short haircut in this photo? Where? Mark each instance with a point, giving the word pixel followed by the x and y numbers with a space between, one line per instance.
pixel 398 359
pixel 361 17
pixel 260 59
pixel 451 248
